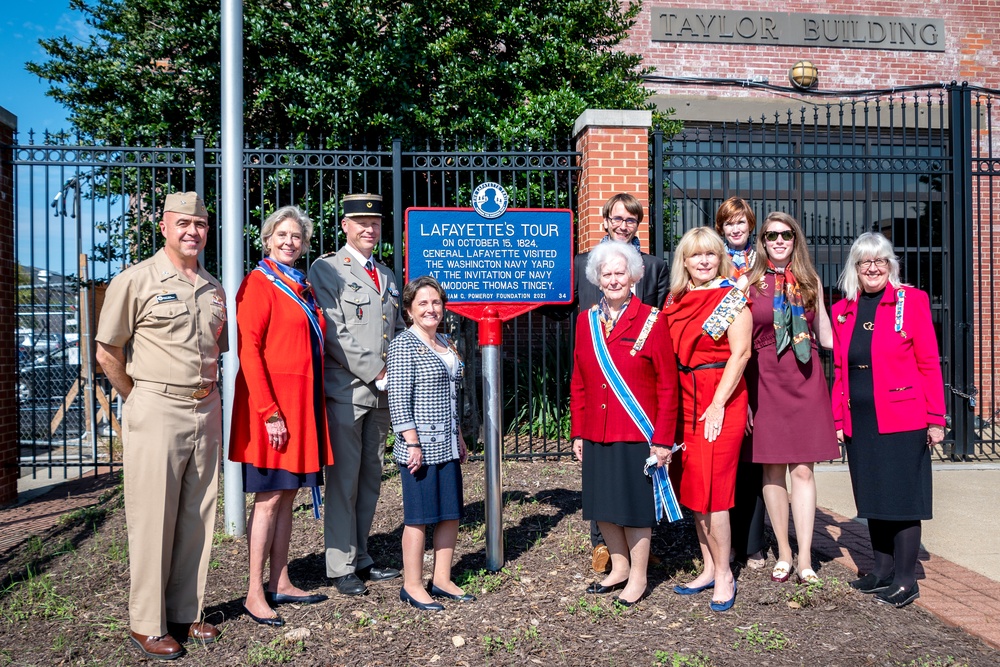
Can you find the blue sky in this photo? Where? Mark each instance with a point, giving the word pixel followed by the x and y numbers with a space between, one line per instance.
pixel 22 23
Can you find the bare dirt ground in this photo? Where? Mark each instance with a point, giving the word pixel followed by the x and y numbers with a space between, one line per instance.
pixel 63 600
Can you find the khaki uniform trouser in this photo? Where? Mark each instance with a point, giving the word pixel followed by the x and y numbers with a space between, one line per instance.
pixel 353 482
pixel 171 463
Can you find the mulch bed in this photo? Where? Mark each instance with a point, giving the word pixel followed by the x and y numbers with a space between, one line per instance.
pixel 63 600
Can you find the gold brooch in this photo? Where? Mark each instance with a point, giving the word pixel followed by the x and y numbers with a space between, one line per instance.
pixel 903 334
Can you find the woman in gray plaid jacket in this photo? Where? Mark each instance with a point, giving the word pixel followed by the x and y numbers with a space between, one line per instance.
pixel 424 372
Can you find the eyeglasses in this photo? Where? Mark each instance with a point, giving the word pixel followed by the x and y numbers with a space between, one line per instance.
pixel 786 235
pixel 880 262
pixel 617 221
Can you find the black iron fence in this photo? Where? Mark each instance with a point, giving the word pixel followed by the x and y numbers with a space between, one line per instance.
pixel 84 212
pixel 922 168
pixel 901 165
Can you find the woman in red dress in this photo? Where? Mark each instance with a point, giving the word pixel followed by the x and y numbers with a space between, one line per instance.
pixel 279 429
pixel 710 328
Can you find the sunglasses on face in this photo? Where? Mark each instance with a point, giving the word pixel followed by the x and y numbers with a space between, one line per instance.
pixel 786 235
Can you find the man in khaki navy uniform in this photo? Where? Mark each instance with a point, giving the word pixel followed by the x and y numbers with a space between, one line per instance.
pixel 361 303
pixel 162 328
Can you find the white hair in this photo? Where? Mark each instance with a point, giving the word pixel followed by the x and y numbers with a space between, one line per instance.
pixel 608 250
pixel 870 245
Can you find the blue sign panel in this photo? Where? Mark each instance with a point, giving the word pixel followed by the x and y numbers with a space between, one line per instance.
pixel 523 256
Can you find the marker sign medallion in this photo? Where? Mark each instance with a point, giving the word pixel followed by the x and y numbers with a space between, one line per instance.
pixel 523 258
pixel 490 200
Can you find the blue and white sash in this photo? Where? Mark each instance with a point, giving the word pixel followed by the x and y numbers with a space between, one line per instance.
pixel 664 499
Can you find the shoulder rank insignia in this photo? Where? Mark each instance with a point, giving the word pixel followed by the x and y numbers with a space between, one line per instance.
pixel 393 291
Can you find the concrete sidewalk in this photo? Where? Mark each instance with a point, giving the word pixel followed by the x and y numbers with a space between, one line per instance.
pixel 966 524
pixel 959 568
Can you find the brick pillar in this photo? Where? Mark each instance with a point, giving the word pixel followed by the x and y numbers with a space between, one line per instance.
pixel 615 148
pixel 9 429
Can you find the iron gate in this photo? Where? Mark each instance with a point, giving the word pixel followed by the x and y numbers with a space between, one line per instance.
pixel 919 168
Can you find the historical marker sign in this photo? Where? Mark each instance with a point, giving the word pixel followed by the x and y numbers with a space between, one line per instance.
pixel 522 258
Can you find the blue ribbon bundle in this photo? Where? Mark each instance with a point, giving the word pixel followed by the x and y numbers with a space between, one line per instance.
pixel 663 492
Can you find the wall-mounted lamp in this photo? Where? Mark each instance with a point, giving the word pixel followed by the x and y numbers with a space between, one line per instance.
pixel 804 75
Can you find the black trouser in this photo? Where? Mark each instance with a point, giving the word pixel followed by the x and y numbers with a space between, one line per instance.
pixel 746 518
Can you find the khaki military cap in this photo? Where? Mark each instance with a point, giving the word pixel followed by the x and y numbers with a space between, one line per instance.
pixel 188 203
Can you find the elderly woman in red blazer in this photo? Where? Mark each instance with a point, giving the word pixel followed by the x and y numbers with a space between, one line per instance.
pixel 279 429
pixel 638 359
pixel 888 407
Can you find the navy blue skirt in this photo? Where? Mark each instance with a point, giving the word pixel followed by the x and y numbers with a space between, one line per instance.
pixel 256 480
pixel 433 494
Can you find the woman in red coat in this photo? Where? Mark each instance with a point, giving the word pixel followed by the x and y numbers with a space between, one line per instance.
pixel 888 407
pixel 633 341
pixel 711 329
pixel 279 429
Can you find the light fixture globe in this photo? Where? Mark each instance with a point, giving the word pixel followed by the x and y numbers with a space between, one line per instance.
pixel 804 75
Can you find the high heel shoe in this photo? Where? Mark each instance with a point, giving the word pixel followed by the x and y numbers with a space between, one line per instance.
pixel 436 592
pixel 724 606
pixel 627 603
pixel 681 589
pixel 423 606
pixel 274 621
pixel 596 588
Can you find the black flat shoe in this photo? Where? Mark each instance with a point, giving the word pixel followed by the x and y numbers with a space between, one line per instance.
pixel 281 598
pixel 273 621
pixel 871 584
pixel 898 596
pixel 625 603
pixel 376 573
pixel 423 606
pixel 350 584
pixel 595 588
pixel 436 592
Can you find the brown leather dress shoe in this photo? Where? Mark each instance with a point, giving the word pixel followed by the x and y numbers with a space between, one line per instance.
pixel 157 648
pixel 601 560
pixel 205 633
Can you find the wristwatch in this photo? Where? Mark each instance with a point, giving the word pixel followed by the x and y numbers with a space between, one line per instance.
pixel 275 418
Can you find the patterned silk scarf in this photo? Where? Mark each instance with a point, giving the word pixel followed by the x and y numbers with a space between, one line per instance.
pixel 742 259
pixel 790 325
pixel 607 319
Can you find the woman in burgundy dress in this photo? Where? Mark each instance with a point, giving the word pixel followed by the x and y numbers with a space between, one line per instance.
pixel 710 330
pixel 792 426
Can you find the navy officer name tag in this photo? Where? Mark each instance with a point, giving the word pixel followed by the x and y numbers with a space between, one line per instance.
pixel 160 298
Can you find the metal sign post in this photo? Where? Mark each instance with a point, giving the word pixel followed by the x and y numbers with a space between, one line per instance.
pixel 490 339
pixel 494 264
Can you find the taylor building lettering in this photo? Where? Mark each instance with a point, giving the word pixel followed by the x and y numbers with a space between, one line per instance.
pixel 785 29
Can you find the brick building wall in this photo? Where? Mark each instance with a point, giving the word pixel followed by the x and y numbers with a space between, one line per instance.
pixel 971 53
pixel 9 470
pixel 972 49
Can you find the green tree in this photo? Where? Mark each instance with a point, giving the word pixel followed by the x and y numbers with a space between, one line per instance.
pixel 346 70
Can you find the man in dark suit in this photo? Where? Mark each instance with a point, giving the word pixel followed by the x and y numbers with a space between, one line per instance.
pixel 622 217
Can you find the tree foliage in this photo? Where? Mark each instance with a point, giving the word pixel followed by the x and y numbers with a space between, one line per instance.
pixel 347 70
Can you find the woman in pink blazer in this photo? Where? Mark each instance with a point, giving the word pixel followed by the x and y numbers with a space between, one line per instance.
pixel 888 408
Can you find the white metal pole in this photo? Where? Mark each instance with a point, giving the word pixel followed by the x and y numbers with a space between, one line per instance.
pixel 231 228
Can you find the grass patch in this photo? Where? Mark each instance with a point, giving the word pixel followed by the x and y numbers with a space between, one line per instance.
pixel 34 598
pixel 667 659
pixel 480 582
pixel 519 640
pixel 758 641
pixel 276 651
